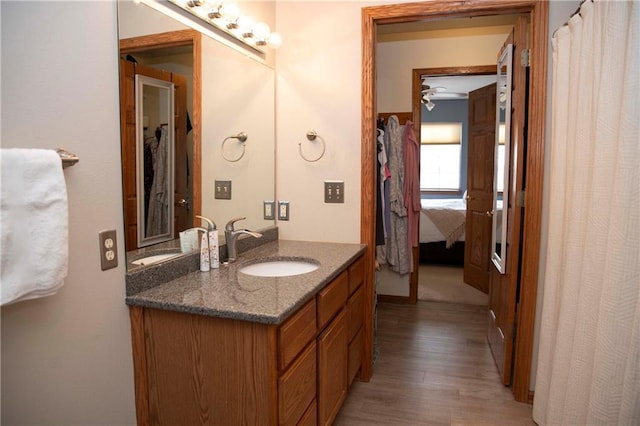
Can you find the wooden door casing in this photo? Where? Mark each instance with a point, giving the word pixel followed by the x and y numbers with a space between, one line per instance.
pixel 482 122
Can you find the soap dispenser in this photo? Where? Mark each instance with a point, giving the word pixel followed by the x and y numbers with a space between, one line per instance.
pixel 214 249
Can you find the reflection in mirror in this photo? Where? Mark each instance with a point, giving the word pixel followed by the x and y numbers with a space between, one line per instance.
pixel 154 153
pixel 501 164
pixel 227 92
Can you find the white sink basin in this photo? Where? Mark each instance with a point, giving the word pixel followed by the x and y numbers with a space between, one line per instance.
pixel 279 268
pixel 150 260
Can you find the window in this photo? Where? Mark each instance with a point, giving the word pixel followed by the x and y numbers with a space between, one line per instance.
pixel 440 156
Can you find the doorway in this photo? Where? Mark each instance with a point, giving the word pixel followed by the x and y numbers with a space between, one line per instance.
pixel 445 211
pixel 152 48
pixel 412 12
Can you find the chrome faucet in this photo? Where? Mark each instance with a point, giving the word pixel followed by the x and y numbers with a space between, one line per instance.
pixel 231 236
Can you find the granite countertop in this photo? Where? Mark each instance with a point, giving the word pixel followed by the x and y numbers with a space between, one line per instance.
pixel 227 293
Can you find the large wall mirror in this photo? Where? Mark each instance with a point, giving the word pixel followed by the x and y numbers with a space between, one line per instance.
pixel 501 163
pixel 220 91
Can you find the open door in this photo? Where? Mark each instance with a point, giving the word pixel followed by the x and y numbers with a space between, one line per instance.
pixel 482 124
pixel 128 71
pixel 504 288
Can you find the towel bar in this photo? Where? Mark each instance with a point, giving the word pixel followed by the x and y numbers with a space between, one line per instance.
pixel 68 159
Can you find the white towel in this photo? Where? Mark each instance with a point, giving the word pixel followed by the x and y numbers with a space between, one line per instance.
pixel 34 224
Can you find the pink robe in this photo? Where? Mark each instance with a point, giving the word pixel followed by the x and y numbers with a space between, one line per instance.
pixel 411 185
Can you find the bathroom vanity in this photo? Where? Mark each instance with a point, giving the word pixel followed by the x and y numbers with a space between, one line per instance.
pixel 223 347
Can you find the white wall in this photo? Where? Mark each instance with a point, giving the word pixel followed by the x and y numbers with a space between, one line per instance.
pixel 318 88
pixel 66 359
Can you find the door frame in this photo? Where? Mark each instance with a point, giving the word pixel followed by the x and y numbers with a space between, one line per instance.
pixel 411 12
pixel 174 39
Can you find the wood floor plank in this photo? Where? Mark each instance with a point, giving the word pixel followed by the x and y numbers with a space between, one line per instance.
pixel 434 367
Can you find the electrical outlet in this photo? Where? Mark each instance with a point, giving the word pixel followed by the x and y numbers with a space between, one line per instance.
pixel 269 210
pixel 222 190
pixel 108 249
pixel 333 191
pixel 283 210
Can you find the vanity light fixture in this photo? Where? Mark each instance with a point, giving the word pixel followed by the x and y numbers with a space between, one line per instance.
pixel 226 16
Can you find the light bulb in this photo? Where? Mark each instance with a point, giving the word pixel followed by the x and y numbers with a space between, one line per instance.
pixel 261 31
pixel 430 106
pixel 275 40
pixel 231 11
pixel 245 25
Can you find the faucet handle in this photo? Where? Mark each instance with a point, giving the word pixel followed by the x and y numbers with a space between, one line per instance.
pixel 229 225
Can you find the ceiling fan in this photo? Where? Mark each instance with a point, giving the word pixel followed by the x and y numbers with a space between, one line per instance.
pixel 430 93
pixel 427 92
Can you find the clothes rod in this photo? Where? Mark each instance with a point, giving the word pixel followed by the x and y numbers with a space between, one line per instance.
pixel 68 159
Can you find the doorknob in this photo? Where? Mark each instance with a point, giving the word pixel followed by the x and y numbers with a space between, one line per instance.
pixel 181 202
pixel 489 213
pixel 467 197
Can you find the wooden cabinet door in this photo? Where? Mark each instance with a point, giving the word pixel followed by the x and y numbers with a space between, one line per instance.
pixel 297 388
pixel 332 369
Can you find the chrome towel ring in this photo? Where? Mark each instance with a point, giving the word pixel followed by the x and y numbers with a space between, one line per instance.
pixel 242 138
pixel 312 136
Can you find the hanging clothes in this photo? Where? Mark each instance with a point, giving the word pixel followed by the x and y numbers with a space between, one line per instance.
pixel 398 254
pixel 411 184
pixel 158 217
pixel 381 178
pixel 382 211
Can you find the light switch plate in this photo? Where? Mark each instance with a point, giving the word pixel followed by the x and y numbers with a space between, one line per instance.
pixel 108 249
pixel 283 210
pixel 222 190
pixel 333 191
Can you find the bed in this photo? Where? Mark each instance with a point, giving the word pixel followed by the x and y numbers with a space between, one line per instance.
pixel 442 224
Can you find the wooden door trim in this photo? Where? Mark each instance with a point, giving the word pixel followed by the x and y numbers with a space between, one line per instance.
pixel 409 12
pixel 174 39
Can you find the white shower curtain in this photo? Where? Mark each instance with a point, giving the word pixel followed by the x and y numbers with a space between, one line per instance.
pixel 589 353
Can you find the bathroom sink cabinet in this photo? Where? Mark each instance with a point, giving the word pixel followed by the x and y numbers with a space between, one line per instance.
pixel 196 369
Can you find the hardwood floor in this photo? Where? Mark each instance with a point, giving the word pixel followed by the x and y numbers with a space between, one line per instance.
pixel 445 283
pixel 433 367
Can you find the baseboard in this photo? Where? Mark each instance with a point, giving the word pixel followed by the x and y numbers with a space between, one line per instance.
pixel 387 298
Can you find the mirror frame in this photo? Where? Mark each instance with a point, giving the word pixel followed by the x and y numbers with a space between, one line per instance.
pixel 499 216
pixel 141 81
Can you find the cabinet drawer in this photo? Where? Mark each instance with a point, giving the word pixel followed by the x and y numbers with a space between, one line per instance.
pixel 355 355
pixel 295 333
pixel 356 312
pixel 297 387
pixel 332 298
pixel 356 274
pixel 310 417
